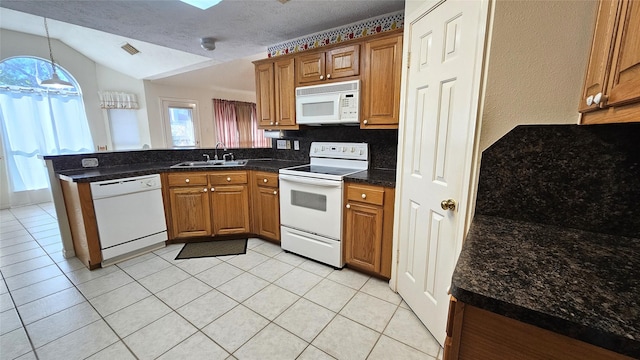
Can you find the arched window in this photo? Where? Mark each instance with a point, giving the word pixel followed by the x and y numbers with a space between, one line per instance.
pixel 37 121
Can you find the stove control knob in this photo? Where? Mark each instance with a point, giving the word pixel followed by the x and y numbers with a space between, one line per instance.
pixel 353 149
pixel 344 149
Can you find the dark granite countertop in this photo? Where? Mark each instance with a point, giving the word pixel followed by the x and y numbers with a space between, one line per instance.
pixel 380 177
pixel 581 284
pixel 121 171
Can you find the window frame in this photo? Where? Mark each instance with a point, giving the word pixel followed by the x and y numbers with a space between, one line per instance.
pixel 165 104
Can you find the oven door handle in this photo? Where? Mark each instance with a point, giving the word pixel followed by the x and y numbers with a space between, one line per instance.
pixel 308 181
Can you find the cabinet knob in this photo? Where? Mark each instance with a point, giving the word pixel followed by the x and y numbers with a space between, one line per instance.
pixel 186 180
pixel 204 190
pixel 213 189
pixel 228 179
pixel 321 77
pixel 365 122
pixel 276 123
pixel 265 180
pixel 364 196
pixel 348 206
pixel 597 98
pixel 271 123
pixel 275 192
pixel 328 76
pixel 590 100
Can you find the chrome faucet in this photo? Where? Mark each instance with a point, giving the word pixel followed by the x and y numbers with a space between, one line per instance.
pixel 224 156
pixel 207 156
pixel 224 148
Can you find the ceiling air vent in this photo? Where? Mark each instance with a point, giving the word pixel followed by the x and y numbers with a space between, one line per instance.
pixel 130 49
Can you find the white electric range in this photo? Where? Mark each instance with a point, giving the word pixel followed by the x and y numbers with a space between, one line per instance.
pixel 311 200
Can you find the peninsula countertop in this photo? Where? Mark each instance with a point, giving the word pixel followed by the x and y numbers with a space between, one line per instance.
pixel 576 283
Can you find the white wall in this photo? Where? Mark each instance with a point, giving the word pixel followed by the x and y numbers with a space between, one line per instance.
pixel 154 92
pixel 537 59
pixel 82 68
pixel 111 80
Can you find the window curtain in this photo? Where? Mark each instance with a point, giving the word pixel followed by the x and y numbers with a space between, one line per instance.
pixel 226 126
pixel 237 124
pixel 118 100
pixel 40 123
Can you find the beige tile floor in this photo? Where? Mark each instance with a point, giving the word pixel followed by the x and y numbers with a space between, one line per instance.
pixel 266 304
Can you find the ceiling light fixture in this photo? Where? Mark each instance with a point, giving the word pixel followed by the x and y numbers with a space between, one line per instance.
pixel 202 4
pixel 208 43
pixel 55 82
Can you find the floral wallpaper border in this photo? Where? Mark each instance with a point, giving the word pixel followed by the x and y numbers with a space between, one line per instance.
pixel 368 27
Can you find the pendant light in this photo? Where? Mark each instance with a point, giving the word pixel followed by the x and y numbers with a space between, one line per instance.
pixel 55 82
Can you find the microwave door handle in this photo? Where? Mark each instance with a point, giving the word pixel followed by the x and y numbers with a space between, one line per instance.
pixel 308 181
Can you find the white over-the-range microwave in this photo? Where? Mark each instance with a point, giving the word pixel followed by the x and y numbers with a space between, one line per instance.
pixel 328 104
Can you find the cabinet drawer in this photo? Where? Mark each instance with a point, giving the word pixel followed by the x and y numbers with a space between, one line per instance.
pixel 365 194
pixel 187 179
pixel 239 177
pixel 266 179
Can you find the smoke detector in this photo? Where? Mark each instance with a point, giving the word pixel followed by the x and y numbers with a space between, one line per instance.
pixel 208 43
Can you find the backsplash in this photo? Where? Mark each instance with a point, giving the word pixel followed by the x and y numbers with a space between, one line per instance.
pixel 583 177
pixel 383 144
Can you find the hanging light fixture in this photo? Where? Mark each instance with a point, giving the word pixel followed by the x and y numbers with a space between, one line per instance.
pixel 55 82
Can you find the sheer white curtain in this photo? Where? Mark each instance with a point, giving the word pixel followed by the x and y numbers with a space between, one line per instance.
pixel 40 123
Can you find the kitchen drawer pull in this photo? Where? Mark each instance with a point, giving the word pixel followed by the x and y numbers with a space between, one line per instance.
pixel 348 206
pixel 265 180
pixel 186 180
pixel 364 196
pixel 275 192
pixel 228 179
pixel 213 189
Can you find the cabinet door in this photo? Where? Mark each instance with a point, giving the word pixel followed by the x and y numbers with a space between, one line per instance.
pixel 381 83
pixel 343 62
pixel 268 203
pixel 229 209
pixel 285 93
pixel 600 57
pixel 624 80
pixel 310 68
pixel 265 99
pixel 363 236
pixel 190 211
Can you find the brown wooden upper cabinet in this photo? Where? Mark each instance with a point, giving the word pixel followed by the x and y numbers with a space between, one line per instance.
pixel 381 83
pixel 275 94
pixel 611 91
pixel 336 63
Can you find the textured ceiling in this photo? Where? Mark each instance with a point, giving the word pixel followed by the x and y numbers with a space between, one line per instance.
pixel 241 27
pixel 168 33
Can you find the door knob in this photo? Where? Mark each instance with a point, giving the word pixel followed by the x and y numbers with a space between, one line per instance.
pixel 448 204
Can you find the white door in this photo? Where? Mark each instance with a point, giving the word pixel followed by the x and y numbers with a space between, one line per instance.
pixel 442 90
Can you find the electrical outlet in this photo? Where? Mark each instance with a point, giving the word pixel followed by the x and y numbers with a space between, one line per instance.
pixel 89 162
pixel 288 145
pixel 296 145
pixel 281 144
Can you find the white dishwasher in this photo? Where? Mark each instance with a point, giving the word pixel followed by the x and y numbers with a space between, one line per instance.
pixel 130 216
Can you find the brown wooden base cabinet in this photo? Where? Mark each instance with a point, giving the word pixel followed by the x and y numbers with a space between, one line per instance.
pixel 206 204
pixel 266 205
pixel 368 230
pixel 474 333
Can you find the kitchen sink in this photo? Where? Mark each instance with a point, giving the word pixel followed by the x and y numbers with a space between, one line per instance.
pixel 209 164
